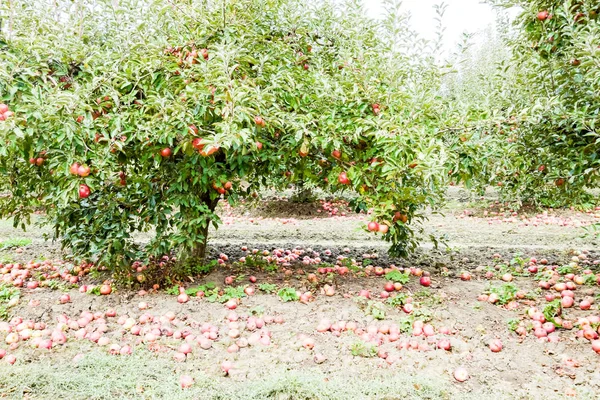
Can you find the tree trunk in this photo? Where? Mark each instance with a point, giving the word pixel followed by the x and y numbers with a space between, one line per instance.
pixel 199 252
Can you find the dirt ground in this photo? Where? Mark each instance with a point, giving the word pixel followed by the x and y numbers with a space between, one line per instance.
pixel 342 364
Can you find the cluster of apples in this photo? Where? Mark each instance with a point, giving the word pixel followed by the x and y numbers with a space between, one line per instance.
pixel 5 113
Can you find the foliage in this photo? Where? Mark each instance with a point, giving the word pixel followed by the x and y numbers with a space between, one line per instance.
pixel 7 293
pixel 288 294
pixel 14 242
pixel 268 287
pixel 532 127
pixel 506 292
pixel 397 300
pixel 513 324
pixel 172 106
pixel 552 310
pixel 361 349
pixel 193 291
pixel 375 309
pixel 397 276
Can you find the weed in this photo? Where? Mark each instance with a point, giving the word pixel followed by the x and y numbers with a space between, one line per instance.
pixel 348 263
pixel 268 287
pixel 397 276
pixel 506 292
pixel 423 315
pixel 232 293
pixel 552 310
pixel 565 269
pixel 406 324
pixel 207 287
pixel 96 290
pixel 398 300
pixel 14 242
pixel 174 290
pixel 361 349
pixel 59 285
pixel 376 309
pixel 513 324
pixel 258 310
pixel 288 294
pixel 7 293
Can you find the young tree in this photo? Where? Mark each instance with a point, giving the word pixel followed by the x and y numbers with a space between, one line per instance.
pixel 141 115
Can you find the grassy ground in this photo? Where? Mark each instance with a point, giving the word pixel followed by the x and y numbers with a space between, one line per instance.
pixel 143 375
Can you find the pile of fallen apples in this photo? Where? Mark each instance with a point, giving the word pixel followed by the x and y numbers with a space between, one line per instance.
pixel 120 335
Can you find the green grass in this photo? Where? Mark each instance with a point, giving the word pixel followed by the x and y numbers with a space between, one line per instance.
pixel 145 376
pixel 14 242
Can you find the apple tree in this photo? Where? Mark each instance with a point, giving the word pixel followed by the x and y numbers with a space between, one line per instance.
pixel 535 132
pixel 139 116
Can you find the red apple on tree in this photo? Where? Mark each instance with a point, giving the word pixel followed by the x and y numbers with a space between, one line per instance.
pixel 83 170
pixel 542 15
pixel 166 152
pixel 336 154
pixel 74 169
pixel 84 191
pixel 197 144
pixel 373 226
pixel 343 178
pixel 258 120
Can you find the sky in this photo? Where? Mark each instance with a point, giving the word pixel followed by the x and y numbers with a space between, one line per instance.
pixel 461 15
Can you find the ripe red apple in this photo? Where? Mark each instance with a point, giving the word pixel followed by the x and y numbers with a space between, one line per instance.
pixel 39 161
pixel 542 15
pixel 3 108
pixel 252 279
pixel 336 154
pixel 305 67
pixel 74 169
pixel 258 120
pixel 496 345
pixel 373 226
pixel 105 290
pixel 166 152
pixel 389 287
pixel 197 144
pixel 83 170
pixel 425 281
pixel 343 178
pixel 383 228
pixel 259 145
pixel 207 151
pixel 84 191
pixel 227 185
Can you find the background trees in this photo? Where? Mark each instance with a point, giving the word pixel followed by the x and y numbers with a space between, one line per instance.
pixel 533 129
